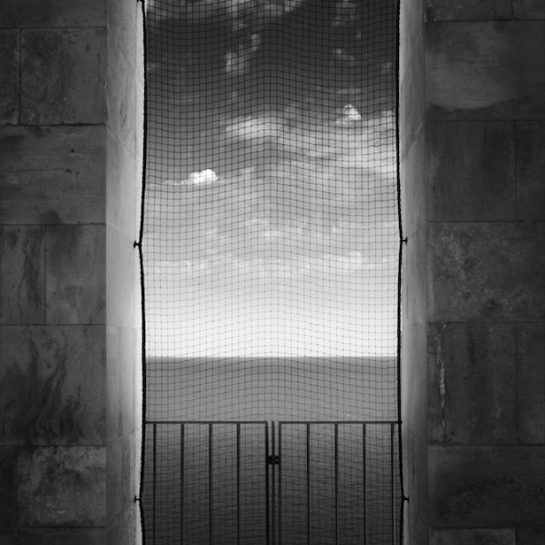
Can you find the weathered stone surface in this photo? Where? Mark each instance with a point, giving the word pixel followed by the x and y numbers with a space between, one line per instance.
pixel 416 488
pixel 9 82
pixel 411 73
pixel 52 175
pixel 53 13
pixel 470 169
pixel 52 385
pixel 468 10
pixel 413 186
pixel 123 190
pixel 491 271
pixel 62 486
pixel 486 486
pixel 22 294
pixel 63 75
pixel 8 487
pixel 478 536
pixel 75 274
pixel 125 529
pixel 531 536
pixel 55 536
pixel 530 340
pixel 529 9
pixel 485 70
pixel 472 383
pixel 121 475
pixel 530 160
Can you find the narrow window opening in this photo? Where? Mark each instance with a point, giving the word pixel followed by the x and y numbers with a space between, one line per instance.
pixel 270 251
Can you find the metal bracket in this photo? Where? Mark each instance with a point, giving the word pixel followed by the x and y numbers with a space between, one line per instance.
pixel 273 460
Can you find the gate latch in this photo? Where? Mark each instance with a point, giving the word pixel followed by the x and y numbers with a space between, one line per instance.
pixel 273 460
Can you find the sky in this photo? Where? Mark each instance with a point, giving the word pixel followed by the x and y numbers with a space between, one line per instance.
pixel 271 223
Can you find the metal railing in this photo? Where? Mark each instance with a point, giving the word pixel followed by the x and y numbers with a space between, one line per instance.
pixel 224 482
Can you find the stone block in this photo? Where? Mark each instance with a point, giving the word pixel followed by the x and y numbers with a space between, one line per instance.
pixel 470 171
pixel 123 189
pixel 125 529
pixel 531 536
pixel 122 365
pixel 121 471
pixel 486 271
pixel 529 9
pixel 51 175
pixel 474 536
pixel 530 160
pixel 485 70
pixel 22 275
pixel 53 385
pixel 414 380
pixel 125 32
pixel 472 384
pixel 57 536
pixel 411 73
pixel 468 10
pixel 9 83
pixel 62 486
pixel 75 274
pixel 479 487
pixel 530 339
pixel 53 13
pixel 416 488
pixel 62 76
pixel 8 487
pixel 413 188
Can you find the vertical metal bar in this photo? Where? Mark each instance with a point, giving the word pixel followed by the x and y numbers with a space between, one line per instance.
pixel 308 481
pixel 210 524
pixel 182 469
pixel 364 441
pixel 238 483
pixel 392 484
pixel 267 488
pixel 273 512
pixel 336 483
pixel 280 484
pixel 154 486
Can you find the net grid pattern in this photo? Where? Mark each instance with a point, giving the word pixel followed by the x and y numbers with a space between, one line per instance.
pixel 270 252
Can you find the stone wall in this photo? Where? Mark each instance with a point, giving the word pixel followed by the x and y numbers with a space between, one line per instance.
pixel 485 190
pixel 69 179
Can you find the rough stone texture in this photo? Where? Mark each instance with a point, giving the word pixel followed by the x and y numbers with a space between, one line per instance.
pixel 52 175
pixel 62 486
pixel 487 271
pixel 485 486
pixel 472 386
pixel 468 10
pixel 9 82
pixel 529 9
pixel 531 536
pixel 53 13
pixel 485 70
pixel 52 385
pixel 8 488
pixel 471 170
pixel 530 339
pixel 530 160
pixel 54 536
pixel 22 275
pixel 63 76
pixel 75 274
pixel 479 536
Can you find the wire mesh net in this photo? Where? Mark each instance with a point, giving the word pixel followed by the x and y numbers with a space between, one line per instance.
pixel 270 264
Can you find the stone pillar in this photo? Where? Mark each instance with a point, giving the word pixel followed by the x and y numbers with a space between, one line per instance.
pixel 485 172
pixel 69 181
pixel 413 342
